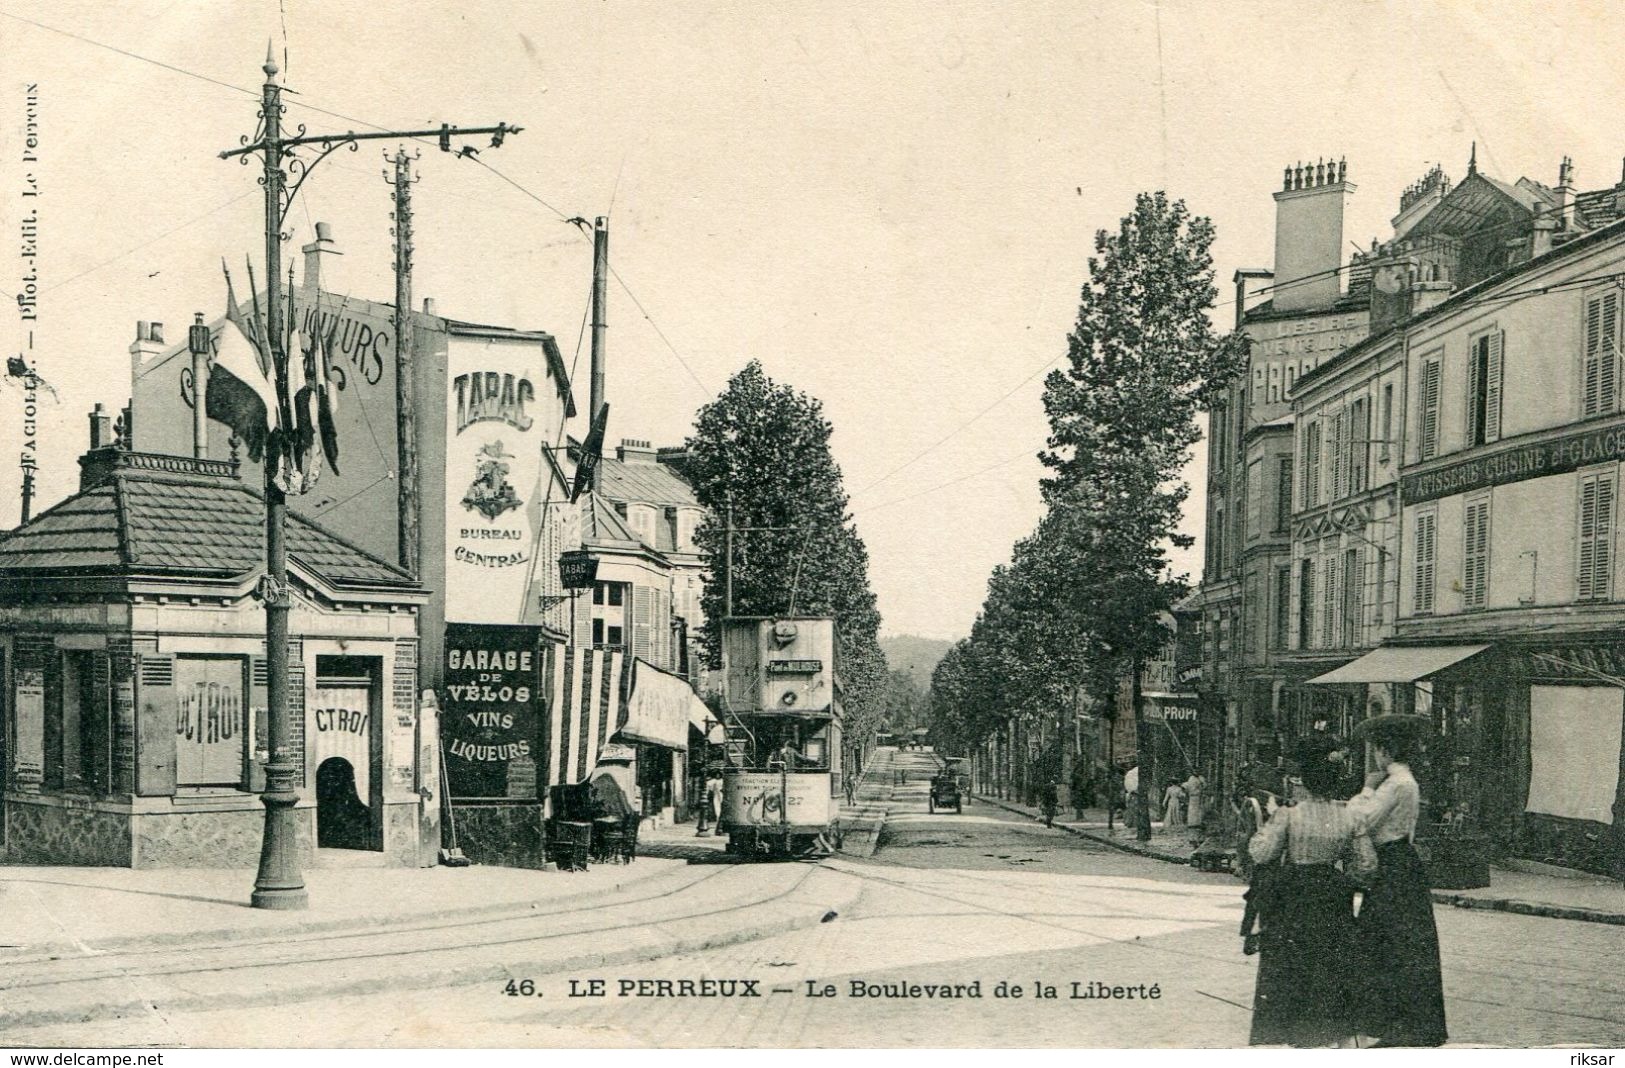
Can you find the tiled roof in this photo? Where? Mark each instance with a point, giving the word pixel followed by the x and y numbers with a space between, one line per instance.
pixel 645 483
pixel 601 522
pixel 145 522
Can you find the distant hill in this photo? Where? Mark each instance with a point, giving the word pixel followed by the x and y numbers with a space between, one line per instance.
pixel 915 655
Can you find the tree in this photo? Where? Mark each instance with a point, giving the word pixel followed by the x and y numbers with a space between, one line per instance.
pixel 760 454
pixel 1143 361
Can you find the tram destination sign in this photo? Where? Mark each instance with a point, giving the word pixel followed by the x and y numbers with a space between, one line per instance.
pixel 1552 456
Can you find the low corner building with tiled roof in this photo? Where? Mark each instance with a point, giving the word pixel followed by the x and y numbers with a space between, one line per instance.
pixel 132 653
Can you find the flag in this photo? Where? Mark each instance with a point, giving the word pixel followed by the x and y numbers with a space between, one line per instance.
pixel 591 450
pixel 328 406
pixel 239 394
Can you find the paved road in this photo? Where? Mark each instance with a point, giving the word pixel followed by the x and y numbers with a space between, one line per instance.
pixel 981 898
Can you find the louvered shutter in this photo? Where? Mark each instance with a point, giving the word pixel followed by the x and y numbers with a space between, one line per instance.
pixel 1608 356
pixel 1475 554
pixel 259 705
pixel 1590 372
pixel 1423 597
pixel 1473 386
pixel 1336 447
pixel 1328 603
pixel 642 629
pixel 1430 409
pixel 156 716
pixel 1492 388
pixel 1602 556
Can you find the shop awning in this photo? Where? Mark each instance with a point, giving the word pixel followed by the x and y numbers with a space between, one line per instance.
pixel 702 719
pixel 659 708
pixel 1399 664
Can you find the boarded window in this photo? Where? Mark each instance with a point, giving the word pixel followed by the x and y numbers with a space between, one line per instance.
pixel 210 721
pixel 1596 537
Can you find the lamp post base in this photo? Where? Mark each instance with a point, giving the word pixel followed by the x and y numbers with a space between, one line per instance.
pixel 279 885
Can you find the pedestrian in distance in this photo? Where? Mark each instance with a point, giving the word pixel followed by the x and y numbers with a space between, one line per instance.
pixel 1307 860
pixel 1195 803
pixel 1049 800
pixel 1131 797
pixel 1398 939
pixel 851 789
pixel 1173 806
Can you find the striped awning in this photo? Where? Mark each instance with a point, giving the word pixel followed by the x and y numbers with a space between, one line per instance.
pixel 587 706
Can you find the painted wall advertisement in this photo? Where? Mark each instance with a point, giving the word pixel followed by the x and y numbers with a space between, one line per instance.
pixel 28 754
pixel 767 799
pixel 494 478
pixel 490 721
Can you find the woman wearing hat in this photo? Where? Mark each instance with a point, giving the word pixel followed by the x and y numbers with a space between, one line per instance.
pixel 1305 995
pixel 1398 940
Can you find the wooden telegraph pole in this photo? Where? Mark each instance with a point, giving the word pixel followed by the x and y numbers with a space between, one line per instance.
pixel 406 422
pixel 600 309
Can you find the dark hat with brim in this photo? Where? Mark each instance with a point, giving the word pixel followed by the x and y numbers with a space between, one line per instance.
pixel 1391 723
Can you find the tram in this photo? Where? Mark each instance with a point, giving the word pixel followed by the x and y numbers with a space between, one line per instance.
pixel 782 717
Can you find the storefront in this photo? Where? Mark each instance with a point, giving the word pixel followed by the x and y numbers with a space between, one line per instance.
pixel 1525 754
pixel 133 678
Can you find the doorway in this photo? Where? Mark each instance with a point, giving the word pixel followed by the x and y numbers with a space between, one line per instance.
pixel 348 753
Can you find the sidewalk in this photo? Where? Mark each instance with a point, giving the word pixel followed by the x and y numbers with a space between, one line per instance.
pixel 1586 898
pixel 862 821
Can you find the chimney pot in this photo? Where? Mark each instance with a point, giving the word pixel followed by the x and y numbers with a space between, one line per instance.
pixel 324 231
pixel 429 307
pixel 157 334
pixel 141 330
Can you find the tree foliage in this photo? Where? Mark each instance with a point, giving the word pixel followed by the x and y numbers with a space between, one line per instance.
pixel 760 453
pixel 1082 594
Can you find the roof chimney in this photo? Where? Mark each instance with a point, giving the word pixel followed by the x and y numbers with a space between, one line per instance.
pixel 633 451
pixel 323 245
pixel 1309 213
pixel 148 343
pixel 1565 192
pixel 429 307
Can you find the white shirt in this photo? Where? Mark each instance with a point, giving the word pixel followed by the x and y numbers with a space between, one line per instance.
pixel 1391 809
pixel 1316 831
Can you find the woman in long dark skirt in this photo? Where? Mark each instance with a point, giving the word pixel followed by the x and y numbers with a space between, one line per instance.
pixel 1398 940
pixel 1306 987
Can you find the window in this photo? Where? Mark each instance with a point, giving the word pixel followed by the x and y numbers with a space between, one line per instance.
pixel 1599 369
pixel 1329 606
pixel 1596 555
pixel 1484 388
pixel 1218 541
pixel 607 634
pixel 1353 580
pixel 1220 426
pixel 1283 495
pixel 1311 465
pixel 1475 554
pixel 211 724
pixel 1283 605
pixel 1427 435
pixel 1306 602
pixel 1387 422
pixel 1359 444
pixel 1255 499
pixel 1381 599
pixel 612 594
pixel 1426 544
pixel 78 742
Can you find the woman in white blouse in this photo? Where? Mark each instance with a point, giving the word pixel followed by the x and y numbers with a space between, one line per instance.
pixel 1306 859
pixel 1398 940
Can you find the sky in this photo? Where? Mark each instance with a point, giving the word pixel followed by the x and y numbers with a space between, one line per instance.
pixel 890 206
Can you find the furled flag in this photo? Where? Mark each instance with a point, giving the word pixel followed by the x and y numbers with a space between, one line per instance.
pixel 327 411
pixel 592 450
pixel 240 394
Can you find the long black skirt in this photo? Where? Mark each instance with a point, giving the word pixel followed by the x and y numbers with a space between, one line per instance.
pixel 1305 992
pixel 1403 1004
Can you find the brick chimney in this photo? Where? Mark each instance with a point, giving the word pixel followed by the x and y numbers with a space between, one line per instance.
pixel 97 464
pixel 1565 192
pixel 635 452
pixel 148 344
pixel 1309 210
pixel 322 246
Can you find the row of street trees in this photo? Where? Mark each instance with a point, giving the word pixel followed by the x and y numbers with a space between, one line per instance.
pixel 1077 607
pixel 760 458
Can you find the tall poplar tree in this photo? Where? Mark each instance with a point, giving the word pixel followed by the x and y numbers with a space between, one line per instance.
pixel 1143 360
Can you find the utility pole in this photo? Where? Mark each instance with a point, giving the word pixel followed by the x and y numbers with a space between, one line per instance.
pixel 600 301
pixel 727 563
pixel 1142 829
pixel 406 422
pixel 279 883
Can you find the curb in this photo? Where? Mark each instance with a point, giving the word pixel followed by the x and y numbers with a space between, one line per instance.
pixel 1127 847
pixel 805 906
pixel 346 925
pixel 1441 897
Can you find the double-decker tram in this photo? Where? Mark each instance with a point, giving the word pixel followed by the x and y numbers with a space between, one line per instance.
pixel 782 717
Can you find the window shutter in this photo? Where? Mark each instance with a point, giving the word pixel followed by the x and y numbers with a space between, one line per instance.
pixel 155 699
pixel 259 704
pixel 642 610
pixel 1475 554
pixel 1473 385
pixel 1353 596
pixel 1328 603
pixel 1602 557
pixel 1430 409
pixel 1336 447
pixel 1423 597
pixel 1607 352
pixel 1492 388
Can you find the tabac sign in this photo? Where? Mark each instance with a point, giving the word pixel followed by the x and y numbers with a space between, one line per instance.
pixel 494 478
pixel 1552 456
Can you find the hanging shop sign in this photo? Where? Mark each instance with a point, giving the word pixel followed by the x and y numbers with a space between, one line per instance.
pixel 578 570
pixel 490 720
pixel 494 478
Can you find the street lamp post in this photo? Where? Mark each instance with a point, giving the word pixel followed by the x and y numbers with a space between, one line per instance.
pixel 279 883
